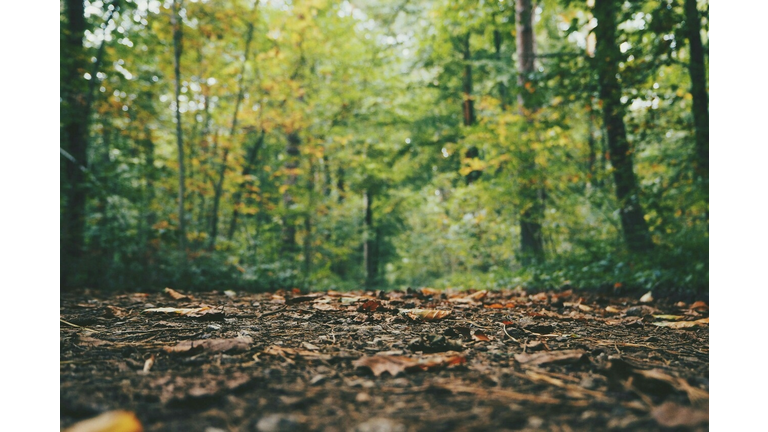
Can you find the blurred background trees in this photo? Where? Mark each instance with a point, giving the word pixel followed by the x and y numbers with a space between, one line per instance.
pixel 267 143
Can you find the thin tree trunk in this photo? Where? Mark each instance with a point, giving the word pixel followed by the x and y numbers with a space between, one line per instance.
pixel 240 93
pixel 308 219
pixel 369 246
pixel 250 162
pixel 177 48
pixel 74 140
pixel 607 56
pixel 592 144
pixel 289 245
pixel 218 189
pixel 698 73
pixel 531 192
pixel 468 105
pixel 340 186
pixel 497 40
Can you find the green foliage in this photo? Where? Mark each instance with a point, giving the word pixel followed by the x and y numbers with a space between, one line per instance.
pixel 372 92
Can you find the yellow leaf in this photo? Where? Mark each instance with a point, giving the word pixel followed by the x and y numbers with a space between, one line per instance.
pixel 111 421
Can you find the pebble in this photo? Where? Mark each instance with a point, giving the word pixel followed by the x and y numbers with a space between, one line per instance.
pixel 379 424
pixel 278 423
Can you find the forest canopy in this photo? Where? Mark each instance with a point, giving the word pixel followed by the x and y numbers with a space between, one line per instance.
pixel 263 144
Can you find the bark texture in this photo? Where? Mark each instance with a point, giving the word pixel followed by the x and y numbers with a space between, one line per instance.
pixel 531 193
pixel 607 57
pixel 698 73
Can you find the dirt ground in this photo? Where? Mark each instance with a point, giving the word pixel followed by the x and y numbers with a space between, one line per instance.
pixel 415 360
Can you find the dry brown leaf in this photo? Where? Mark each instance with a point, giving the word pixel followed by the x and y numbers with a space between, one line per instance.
pixel 480 336
pixel 611 309
pixel 429 292
pixel 323 306
pixel 683 324
pixel 240 343
pixel 700 306
pixel 89 341
pixel 370 306
pixel 672 415
pixel 565 356
pixel 394 364
pixel 286 352
pixel 647 297
pixel 175 294
pixel 198 312
pixel 669 317
pixel 425 314
pixel 115 312
pixel 148 364
pixel 478 295
pixel 380 364
pixel 539 297
pixel 111 421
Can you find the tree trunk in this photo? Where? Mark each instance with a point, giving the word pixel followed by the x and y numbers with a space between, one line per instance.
pixel 233 128
pixel 531 192
pixel 74 140
pixel 250 162
pixel 497 40
pixel 289 246
pixel 177 39
pixel 468 106
pixel 218 189
pixel 370 253
pixel 340 187
pixel 607 56
pixel 698 72
pixel 308 219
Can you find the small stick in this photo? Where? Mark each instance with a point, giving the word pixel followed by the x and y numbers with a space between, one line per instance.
pixel 75 325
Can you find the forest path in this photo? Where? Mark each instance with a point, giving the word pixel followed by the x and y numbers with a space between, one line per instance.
pixel 325 361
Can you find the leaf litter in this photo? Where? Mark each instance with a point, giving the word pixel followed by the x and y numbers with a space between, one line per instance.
pixel 422 359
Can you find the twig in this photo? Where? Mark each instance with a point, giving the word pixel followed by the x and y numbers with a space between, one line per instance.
pixel 504 327
pixel 81 327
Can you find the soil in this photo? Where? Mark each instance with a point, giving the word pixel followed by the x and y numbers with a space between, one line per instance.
pixel 415 360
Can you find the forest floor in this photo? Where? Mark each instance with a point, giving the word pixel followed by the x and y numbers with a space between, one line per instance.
pixel 415 360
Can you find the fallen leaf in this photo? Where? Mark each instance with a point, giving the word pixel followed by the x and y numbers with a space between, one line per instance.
pixel 288 353
pixel 370 306
pixel 115 312
pixel 148 364
pixel 89 341
pixel 579 306
pixel 380 364
pixel 480 336
pixel 647 297
pixel 395 364
pixel 611 309
pixel 478 295
pixel 429 292
pixel 565 356
pixel 240 343
pixel 425 314
pixel 539 297
pixel 323 306
pixel 199 312
pixel 669 317
pixel 111 421
pixel 699 306
pixel 230 293
pixel 672 415
pixel 309 346
pixel 682 324
pixel 175 294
